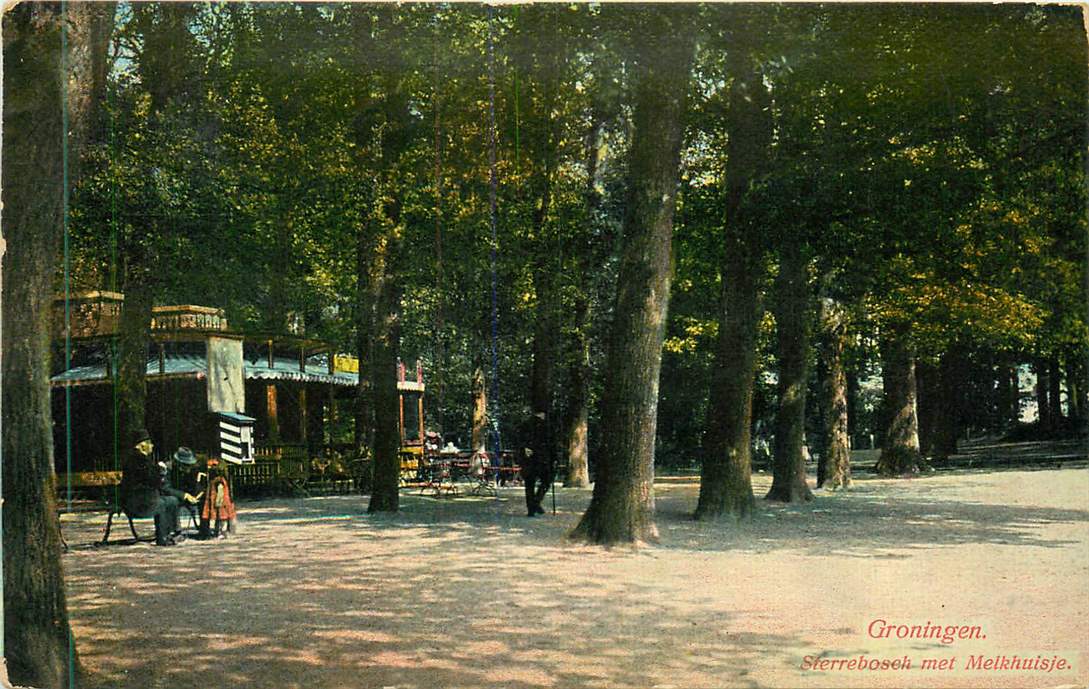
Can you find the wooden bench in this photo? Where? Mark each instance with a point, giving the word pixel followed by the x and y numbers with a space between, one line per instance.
pixel 102 482
pixel 86 483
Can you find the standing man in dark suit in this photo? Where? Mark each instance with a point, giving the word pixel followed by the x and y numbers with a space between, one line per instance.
pixel 535 459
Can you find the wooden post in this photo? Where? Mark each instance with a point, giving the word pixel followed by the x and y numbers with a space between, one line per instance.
pixel 302 412
pixel 401 424
pixel 420 416
pixel 271 356
pixel 273 413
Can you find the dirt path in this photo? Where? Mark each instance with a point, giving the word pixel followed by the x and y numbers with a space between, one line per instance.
pixel 470 593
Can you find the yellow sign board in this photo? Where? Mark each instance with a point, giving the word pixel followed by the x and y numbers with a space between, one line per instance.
pixel 342 363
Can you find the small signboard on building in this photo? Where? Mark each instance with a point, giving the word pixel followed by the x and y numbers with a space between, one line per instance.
pixel 235 437
pixel 226 381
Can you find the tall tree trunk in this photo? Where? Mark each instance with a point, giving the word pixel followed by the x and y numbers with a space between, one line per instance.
pixel 1080 392
pixel 1054 392
pixel 37 641
pixel 478 438
pixel 578 400
pixel 1006 389
pixel 622 506
pixel 837 449
pixel 792 325
pixel 947 426
pixel 133 339
pixel 367 275
pixel 852 405
pixel 165 73
pixel 1043 405
pixel 577 419
pixel 928 385
pixel 726 473
pixel 545 324
pixel 900 450
pixel 1076 391
pixel 385 492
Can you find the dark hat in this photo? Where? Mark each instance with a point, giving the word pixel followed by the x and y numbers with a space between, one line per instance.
pixel 138 436
pixel 184 455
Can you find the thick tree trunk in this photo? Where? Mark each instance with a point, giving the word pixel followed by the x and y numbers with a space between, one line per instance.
pixel 478 438
pixel 367 282
pixel 1076 391
pixel 1006 389
pixel 1081 394
pixel 385 492
pixel 1043 405
pixel 545 324
pixel 37 639
pixel 900 450
pixel 726 473
pixel 578 401
pixel 1054 392
pixel 852 406
pixel 928 386
pixel 792 325
pixel 577 420
pixel 836 457
pixel 133 340
pixel 947 421
pixel 540 388
pixel 622 506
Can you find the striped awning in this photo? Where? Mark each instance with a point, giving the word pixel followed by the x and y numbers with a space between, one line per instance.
pixel 196 367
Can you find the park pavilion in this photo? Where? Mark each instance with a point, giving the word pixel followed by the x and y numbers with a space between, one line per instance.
pixel 296 392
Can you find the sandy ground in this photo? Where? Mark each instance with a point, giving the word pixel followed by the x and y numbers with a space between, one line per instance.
pixel 468 592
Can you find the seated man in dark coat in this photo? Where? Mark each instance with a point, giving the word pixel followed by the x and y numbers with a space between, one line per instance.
pixel 141 480
pixel 187 481
pixel 535 460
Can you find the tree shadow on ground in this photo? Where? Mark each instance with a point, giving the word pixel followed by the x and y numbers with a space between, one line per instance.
pixel 310 594
pixel 470 592
pixel 868 521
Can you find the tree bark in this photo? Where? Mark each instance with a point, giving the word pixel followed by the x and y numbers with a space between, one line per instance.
pixel 947 426
pixel 852 405
pixel 165 74
pixel 1054 392
pixel 577 419
pixel 385 492
pixel 1006 389
pixel 478 438
pixel 836 457
pixel 900 450
pixel 578 400
pixel 366 284
pixel 1076 391
pixel 622 506
pixel 545 324
pixel 1043 406
pixel 792 325
pixel 38 644
pixel 726 473
pixel 133 339
pixel 927 383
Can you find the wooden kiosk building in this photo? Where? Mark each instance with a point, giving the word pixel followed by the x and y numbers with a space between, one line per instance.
pixel 198 370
